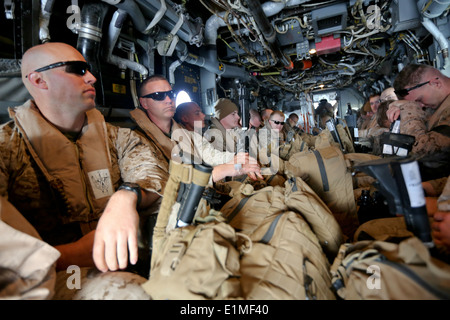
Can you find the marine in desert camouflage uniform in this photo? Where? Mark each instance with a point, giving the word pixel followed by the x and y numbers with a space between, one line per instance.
pixel 415 121
pixel 425 114
pixel 44 198
pixel 61 164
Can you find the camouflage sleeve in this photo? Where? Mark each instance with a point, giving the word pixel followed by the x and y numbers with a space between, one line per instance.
pixel 413 122
pixel 3 176
pixel 138 162
pixel 438 184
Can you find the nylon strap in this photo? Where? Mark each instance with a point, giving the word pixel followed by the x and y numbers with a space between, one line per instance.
pixel 323 172
pixel 238 208
pixel 269 234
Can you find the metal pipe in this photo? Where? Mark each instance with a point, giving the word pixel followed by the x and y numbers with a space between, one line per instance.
pixel 214 22
pixel 433 9
pixel 210 63
pixel 188 31
pixel 268 31
pixel 44 20
pixel 90 33
pixel 443 42
pixel 89 38
pixel 114 31
pixel 158 16
pixel 135 14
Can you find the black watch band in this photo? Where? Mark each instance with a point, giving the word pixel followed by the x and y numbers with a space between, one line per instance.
pixel 133 187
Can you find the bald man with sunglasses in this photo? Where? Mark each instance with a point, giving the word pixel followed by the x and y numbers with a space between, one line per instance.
pixel 62 166
pixel 424 110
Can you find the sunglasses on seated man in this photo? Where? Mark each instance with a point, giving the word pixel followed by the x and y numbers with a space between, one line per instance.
pixel 277 122
pixel 76 67
pixel 160 96
pixel 404 92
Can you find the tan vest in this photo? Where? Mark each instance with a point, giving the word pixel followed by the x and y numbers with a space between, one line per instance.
pixel 80 172
pixel 441 116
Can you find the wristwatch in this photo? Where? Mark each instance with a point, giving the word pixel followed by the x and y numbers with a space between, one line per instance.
pixel 133 187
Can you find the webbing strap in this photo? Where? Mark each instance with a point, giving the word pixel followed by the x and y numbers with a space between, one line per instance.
pixel 238 208
pixel 271 178
pixel 293 182
pixel 323 172
pixel 269 233
pixel 302 145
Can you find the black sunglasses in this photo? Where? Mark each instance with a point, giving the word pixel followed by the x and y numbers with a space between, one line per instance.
pixel 76 67
pixel 405 92
pixel 278 122
pixel 160 96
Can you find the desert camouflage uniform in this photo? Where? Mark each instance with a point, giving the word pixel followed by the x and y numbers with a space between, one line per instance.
pixel 45 204
pixel 431 146
pixel 27 264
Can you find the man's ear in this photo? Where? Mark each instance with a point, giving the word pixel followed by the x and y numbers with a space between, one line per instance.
pixel 437 82
pixel 142 103
pixel 184 118
pixel 37 81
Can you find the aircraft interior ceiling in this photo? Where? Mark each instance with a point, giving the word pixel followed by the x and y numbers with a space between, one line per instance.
pixel 271 52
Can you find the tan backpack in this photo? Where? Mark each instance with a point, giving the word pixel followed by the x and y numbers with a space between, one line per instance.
pixel 325 139
pixel 290 229
pixel 346 136
pixel 330 178
pixel 380 270
pixel 249 208
pixel 285 263
pixel 360 179
pixel 197 262
pixel 296 145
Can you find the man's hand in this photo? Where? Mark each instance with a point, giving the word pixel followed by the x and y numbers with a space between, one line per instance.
pixel 116 234
pixel 393 112
pixel 241 164
pixel 441 228
pixel 394 109
pixel 249 166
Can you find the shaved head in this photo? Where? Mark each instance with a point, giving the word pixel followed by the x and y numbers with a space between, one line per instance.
pixel 48 53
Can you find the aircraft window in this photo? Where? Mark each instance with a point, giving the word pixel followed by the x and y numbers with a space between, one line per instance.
pixel 182 96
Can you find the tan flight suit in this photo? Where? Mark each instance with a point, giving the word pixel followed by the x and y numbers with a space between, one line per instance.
pixel 289 130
